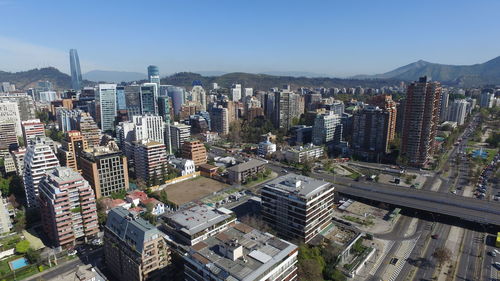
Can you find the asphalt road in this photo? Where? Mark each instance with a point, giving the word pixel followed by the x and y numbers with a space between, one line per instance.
pixel 95 258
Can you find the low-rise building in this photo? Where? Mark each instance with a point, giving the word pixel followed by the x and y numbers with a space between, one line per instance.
pixel 197 223
pixel 185 166
pixel 242 172
pixel 300 154
pixel 242 253
pixel 208 170
pixel 298 207
pixel 134 249
pixel 266 148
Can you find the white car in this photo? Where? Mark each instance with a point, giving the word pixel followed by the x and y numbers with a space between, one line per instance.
pixel 72 253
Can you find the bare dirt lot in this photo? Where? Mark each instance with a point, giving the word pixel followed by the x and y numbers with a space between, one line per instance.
pixel 194 189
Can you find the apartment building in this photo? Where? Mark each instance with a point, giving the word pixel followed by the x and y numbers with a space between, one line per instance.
pixel 301 154
pixel 242 172
pixel 71 148
pixel 134 249
pixel 38 160
pixel 67 207
pixel 298 207
pixel 421 117
pixel 194 150
pixel 150 161
pixel 32 129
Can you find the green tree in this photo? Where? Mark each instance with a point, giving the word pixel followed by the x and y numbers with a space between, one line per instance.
pixel 163 196
pixel 33 256
pixel 5 186
pixel 20 221
pixel 22 246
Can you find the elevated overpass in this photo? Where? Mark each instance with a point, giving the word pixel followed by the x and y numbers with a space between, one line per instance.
pixel 466 208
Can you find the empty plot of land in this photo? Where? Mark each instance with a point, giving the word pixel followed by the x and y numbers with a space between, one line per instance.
pixel 191 190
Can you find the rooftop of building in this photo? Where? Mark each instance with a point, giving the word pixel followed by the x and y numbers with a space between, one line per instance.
pixel 298 184
pixel 207 167
pixel 198 218
pixel 131 228
pixel 250 164
pixel 303 148
pixel 260 252
pixel 62 175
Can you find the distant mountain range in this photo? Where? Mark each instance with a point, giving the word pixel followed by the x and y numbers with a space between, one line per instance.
pixel 265 82
pixel 487 73
pixel 29 79
pixel 459 75
pixel 113 76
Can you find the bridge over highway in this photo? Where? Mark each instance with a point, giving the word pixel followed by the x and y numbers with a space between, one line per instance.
pixel 471 209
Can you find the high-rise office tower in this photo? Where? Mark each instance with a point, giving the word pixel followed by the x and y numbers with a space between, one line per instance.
pixel 38 160
pixel 106 105
pixel 105 167
pixel 154 74
pixel 68 207
pixel 421 117
pixel 71 148
pixel 133 100
pixel 149 98
pixel 327 129
pixel 121 103
pixel 32 129
pixel 177 96
pixel 76 72
pixel 371 130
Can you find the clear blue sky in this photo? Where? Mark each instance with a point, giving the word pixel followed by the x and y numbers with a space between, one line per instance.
pixel 333 37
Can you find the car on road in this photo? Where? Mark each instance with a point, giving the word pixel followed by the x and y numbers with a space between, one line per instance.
pixel 435 236
pixel 493 254
pixel 284 171
pixel 497 265
pixel 72 253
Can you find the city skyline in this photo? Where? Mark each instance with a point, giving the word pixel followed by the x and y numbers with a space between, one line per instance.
pixel 336 39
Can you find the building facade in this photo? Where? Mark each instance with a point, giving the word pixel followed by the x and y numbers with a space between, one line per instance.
pixel 38 160
pixel 105 168
pixel 327 129
pixel 134 249
pixel 421 117
pixel 32 129
pixel 67 207
pixel 71 148
pixel 106 104
pixel 194 150
pixel 371 133
pixel 150 161
pixel 298 207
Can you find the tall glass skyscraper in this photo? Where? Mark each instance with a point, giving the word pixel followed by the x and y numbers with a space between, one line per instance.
pixel 76 72
pixel 149 98
pixel 106 103
pixel 154 74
